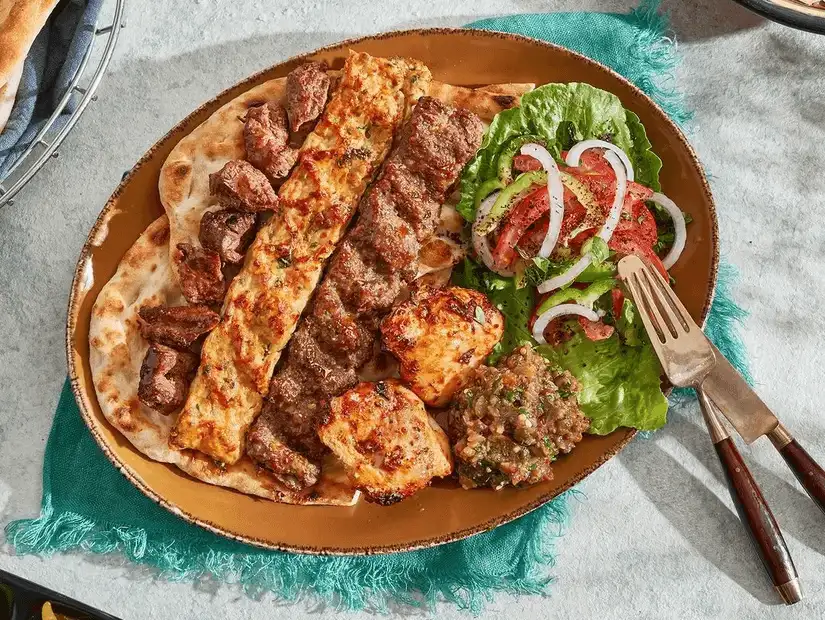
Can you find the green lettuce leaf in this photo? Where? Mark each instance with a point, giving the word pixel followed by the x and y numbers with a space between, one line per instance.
pixel 620 384
pixel 561 114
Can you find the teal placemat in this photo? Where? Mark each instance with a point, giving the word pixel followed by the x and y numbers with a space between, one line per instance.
pixel 88 504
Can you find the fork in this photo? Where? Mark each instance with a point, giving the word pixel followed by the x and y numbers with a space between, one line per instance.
pixel 687 357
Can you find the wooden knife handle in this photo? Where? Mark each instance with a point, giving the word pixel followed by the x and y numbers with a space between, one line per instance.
pixel 760 522
pixel 804 467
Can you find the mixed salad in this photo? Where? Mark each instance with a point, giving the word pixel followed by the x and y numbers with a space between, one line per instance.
pixel 561 189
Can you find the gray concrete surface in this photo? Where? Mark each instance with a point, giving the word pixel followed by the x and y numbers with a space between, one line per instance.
pixel 655 536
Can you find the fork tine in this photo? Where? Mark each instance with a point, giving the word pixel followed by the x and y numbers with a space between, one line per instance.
pixel 629 272
pixel 657 336
pixel 653 306
pixel 674 323
pixel 674 305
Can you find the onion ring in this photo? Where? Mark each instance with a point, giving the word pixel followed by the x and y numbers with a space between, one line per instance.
pixel 555 191
pixel 556 311
pixel 679 228
pixel 575 153
pixel 605 233
pixel 480 242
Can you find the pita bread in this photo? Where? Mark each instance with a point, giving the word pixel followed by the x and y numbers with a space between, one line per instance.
pixel 117 349
pixel 8 94
pixel 20 22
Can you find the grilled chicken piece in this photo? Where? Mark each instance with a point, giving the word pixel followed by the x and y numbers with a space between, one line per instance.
pixel 439 336
pixel 389 445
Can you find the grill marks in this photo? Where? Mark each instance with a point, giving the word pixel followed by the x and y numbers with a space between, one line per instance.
pixel 374 263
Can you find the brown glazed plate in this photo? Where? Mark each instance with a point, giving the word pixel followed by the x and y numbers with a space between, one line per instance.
pixel 441 513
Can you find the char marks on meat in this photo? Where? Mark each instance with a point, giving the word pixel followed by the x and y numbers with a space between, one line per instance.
pixel 266 136
pixel 242 187
pixel 165 376
pixel 307 87
pixel 200 274
pixel 228 233
pixel 176 326
pixel 376 260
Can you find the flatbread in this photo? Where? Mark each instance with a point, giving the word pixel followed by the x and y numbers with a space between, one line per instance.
pixel 144 277
pixel 8 93
pixel 20 22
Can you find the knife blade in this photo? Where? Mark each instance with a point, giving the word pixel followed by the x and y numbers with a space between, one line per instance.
pixel 737 401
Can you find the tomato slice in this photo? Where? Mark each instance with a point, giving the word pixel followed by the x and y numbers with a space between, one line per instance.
pixel 526 163
pixel 617 297
pixel 631 243
pixel 596 330
pixel 520 218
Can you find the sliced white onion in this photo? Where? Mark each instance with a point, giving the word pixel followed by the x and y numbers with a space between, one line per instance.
pixel 618 199
pixel 555 191
pixel 679 228
pixel 556 311
pixel 480 242
pixel 605 233
pixel 575 153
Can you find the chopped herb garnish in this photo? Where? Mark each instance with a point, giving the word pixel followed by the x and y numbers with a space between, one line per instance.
pixel 284 262
pixel 514 394
pixel 479 316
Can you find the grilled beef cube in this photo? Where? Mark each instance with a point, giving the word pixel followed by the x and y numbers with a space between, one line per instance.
pixel 306 93
pixel 293 469
pixel 241 186
pixel 165 376
pixel 266 135
pixel 228 233
pixel 200 274
pixel 177 326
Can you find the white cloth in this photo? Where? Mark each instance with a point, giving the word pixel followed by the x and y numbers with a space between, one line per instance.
pixel 655 536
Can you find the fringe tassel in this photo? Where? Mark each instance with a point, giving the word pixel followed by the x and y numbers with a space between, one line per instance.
pixel 343 582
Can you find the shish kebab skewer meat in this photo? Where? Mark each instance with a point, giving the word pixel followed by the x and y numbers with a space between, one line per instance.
pixel 374 263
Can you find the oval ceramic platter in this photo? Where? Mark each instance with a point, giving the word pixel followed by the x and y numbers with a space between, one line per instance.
pixel 443 512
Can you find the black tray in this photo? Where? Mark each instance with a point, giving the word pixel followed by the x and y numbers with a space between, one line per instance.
pixel 23 600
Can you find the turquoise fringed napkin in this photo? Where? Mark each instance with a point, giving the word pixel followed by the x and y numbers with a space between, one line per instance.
pixel 87 504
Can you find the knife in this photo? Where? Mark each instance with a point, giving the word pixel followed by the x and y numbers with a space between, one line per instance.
pixel 752 419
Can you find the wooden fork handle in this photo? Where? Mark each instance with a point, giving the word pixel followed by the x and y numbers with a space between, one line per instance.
pixel 759 521
pixel 804 467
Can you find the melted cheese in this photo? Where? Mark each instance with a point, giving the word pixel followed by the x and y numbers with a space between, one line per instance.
pixel 282 268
